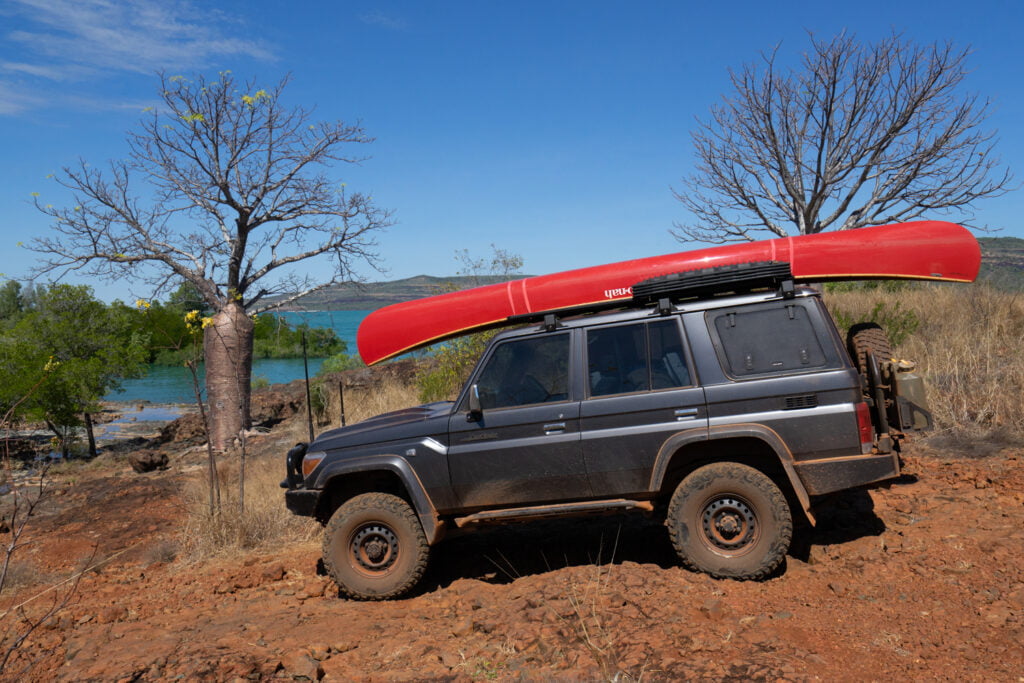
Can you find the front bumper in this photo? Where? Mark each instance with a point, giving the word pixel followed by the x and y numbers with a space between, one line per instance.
pixel 302 502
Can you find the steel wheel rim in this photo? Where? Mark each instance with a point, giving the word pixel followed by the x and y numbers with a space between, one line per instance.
pixel 729 524
pixel 374 548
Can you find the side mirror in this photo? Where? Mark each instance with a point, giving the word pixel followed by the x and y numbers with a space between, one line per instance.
pixel 475 411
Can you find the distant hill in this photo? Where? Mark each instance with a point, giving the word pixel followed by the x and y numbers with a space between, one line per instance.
pixel 373 295
pixel 1002 265
pixel 1002 262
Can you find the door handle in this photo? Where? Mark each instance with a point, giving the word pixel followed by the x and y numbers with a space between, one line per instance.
pixel 685 414
pixel 554 428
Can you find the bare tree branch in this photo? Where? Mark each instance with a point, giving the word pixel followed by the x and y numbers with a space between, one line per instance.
pixel 859 135
pixel 227 188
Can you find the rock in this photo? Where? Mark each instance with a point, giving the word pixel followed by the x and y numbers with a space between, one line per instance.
pixel 273 572
pixel 713 609
pixel 148 461
pixel 300 665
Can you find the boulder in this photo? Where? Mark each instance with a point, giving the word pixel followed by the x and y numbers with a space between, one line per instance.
pixel 148 461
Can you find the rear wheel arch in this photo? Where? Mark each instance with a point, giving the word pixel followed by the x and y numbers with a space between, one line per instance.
pixel 753 445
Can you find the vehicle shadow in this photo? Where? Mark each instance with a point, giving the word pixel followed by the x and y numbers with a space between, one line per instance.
pixel 842 517
pixel 503 554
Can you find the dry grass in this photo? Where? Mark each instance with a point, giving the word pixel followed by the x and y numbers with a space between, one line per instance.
pixel 265 523
pixel 967 344
pixel 363 402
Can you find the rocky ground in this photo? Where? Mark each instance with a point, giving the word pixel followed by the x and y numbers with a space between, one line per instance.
pixel 920 580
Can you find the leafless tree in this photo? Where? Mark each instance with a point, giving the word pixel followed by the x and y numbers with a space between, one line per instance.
pixel 859 135
pixel 233 193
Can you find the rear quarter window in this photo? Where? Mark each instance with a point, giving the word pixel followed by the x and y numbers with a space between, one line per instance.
pixel 770 339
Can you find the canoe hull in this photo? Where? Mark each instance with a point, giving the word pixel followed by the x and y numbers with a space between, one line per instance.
pixel 924 250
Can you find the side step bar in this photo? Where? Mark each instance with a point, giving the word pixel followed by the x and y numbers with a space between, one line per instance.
pixel 559 510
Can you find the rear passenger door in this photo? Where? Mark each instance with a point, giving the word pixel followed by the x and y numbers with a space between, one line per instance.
pixel 781 365
pixel 640 390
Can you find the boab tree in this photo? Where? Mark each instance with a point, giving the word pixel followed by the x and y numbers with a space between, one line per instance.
pixel 233 192
pixel 859 135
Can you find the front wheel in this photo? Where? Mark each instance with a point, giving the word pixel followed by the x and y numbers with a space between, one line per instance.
pixel 730 521
pixel 374 547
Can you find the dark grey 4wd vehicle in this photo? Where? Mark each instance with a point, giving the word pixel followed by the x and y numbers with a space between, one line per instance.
pixel 725 414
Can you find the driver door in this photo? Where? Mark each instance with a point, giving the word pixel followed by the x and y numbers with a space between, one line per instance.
pixel 524 446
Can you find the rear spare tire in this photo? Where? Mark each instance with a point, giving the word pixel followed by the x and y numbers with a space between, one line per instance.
pixel 864 337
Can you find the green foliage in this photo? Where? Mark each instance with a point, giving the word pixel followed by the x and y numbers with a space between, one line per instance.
pixel 11 302
pixel 453 361
pixel 78 348
pixel 881 286
pixel 897 322
pixel 172 343
pixel 340 362
pixel 275 338
pixel 187 298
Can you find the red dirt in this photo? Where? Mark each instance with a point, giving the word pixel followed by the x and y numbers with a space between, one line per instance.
pixel 924 579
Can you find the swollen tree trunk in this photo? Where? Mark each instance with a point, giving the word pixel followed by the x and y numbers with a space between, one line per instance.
pixel 227 348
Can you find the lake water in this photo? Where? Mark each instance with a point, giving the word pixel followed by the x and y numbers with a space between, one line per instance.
pixel 173 384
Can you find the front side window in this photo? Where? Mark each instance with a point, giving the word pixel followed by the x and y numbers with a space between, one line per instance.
pixel 638 357
pixel 526 371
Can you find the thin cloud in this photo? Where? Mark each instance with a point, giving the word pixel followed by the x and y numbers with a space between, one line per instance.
pixel 384 21
pixel 38 70
pixel 14 101
pixel 83 40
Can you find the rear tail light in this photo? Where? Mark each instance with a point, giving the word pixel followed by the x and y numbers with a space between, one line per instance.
pixel 864 426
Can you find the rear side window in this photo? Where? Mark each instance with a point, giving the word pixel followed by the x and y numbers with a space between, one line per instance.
pixel 768 339
pixel 637 357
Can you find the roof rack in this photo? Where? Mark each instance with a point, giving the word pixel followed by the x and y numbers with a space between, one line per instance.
pixel 703 282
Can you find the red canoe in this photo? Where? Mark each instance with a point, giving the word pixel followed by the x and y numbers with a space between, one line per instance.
pixel 924 250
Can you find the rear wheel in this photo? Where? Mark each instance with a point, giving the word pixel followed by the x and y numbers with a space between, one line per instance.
pixel 730 521
pixel 374 547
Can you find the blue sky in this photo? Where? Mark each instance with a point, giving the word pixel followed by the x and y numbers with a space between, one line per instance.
pixel 555 130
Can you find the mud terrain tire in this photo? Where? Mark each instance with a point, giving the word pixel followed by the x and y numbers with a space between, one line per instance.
pixel 374 547
pixel 864 337
pixel 730 521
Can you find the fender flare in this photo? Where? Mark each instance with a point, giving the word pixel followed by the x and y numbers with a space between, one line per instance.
pixel 743 430
pixel 433 527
